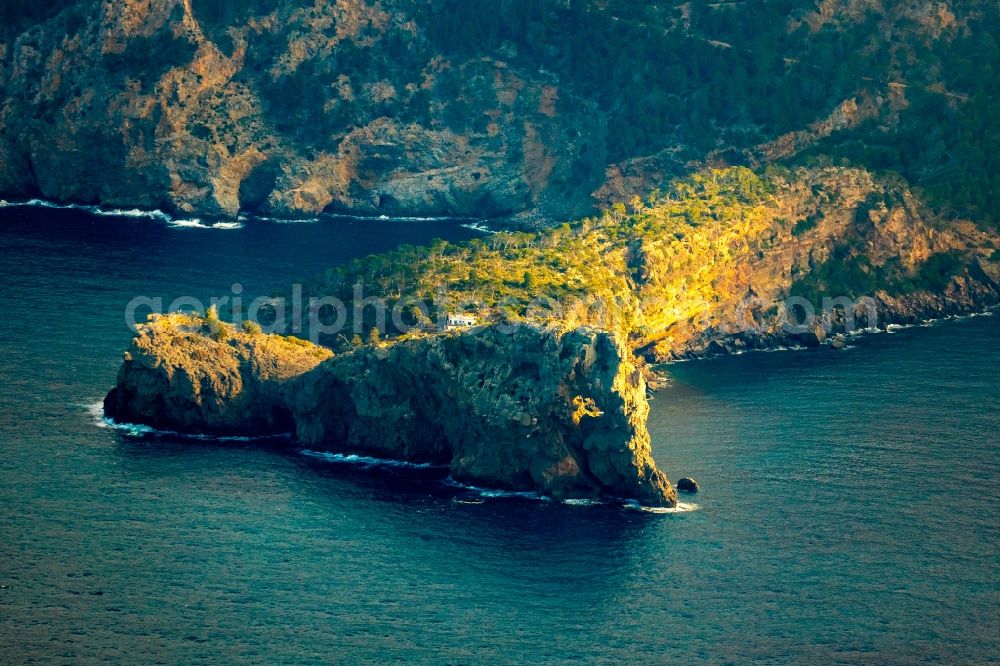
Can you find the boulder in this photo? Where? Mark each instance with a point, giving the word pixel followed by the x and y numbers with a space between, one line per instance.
pixel 687 485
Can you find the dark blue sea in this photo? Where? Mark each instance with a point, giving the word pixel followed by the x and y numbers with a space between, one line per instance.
pixel 850 510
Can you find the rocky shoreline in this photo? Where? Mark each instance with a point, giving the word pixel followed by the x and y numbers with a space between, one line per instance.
pixel 915 310
pixel 554 401
pixel 527 409
pixel 833 340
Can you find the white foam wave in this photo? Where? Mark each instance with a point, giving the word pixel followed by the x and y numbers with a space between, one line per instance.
pixel 195 223
pixel 765 350
pixel 135 213
pixel 478 226
pixel 96 410
pixel 972 315
pixel 739 352
pixel 278 220
pixel 681 507
pixel 392 218
pixel 494 493
pixel 39 203
pixel 858 332
pixel 475 225
pixel 131 213
pixel 188 224
pixel 489 493
pixel 366 461
pixel 482 494
pixel 924 323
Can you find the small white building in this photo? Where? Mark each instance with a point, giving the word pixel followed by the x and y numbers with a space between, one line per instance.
pixel 456 321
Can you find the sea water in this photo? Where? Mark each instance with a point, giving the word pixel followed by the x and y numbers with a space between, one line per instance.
pixel 849 511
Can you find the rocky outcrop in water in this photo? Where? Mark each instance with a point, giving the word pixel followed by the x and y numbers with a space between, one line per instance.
pixel 560 413
pixel 188 375
pixel 687 485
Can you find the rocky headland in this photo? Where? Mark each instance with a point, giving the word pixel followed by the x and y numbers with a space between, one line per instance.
pixel 520 408
pixel 549 394
pixel 723 261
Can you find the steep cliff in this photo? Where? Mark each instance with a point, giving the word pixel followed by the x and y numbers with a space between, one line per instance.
pixel 284 108
pixel 855 250
pixel 195 375
pixel 527 408
pixel 536 109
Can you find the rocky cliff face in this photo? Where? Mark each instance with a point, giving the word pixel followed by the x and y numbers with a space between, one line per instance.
pixel 284 108
pixel 719 262
pixel 830 233
pixel 535 109
pixel 563 414
pixel 184 374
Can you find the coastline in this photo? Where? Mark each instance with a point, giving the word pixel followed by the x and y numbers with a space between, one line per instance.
pixel 476 224
pixel 368 463
pixel 857 334
pixel 133 213
pixel 561 413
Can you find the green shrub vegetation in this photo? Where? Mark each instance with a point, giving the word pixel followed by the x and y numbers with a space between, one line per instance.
pixel 939 268
pixel 694 225
pixel 17 13
pixel 806 224
pixel 148 58
pixel 849 273
pixel 947 139
pixel 214 326
pixel 638 269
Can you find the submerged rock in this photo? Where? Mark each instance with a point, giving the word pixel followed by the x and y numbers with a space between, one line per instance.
pixel 527 408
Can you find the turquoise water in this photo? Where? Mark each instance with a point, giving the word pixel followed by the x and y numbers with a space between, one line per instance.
pixel 849 512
